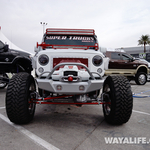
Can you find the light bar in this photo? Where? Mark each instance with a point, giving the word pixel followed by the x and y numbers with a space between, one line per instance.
pixel 54 31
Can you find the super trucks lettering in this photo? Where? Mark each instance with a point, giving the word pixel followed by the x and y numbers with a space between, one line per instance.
pixel 81 38
pixel 70 40
pixel 56 37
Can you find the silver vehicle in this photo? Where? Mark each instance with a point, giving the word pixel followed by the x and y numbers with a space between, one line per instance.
pixel 69 69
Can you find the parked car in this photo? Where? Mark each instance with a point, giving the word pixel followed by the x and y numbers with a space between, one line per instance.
pixel 124 64
pixel 69 70
pixel 13 61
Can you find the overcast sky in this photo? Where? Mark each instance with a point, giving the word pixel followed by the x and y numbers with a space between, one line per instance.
pixel 117 23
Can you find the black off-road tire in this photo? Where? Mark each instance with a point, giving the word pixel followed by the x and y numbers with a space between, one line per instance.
pixel 119 100
pixel 141 78
pixel 18 96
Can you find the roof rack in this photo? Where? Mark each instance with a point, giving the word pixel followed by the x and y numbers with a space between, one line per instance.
pixel 55 31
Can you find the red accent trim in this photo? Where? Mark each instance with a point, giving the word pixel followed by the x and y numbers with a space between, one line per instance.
pixel 70 79
pixel 70 67
pixel 41 101
pixel 64 103
pixel 67 103
pixel 48 98
pixel 56 61
pixel 44 45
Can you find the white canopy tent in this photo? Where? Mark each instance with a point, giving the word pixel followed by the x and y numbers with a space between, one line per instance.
pixel 5 40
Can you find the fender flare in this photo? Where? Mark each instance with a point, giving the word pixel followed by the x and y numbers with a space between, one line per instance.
pixel 144 66
pixel 27 62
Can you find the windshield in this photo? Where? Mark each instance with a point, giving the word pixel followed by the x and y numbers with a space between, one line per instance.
pixel 127 57
pixel 70 40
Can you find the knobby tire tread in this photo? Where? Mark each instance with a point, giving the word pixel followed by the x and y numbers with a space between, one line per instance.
pixel 122 100
pixel 16 98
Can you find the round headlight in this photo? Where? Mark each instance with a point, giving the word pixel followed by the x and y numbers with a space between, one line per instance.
pixel 97 60
pixel 43 60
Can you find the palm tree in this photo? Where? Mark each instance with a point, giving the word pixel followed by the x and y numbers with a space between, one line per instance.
pixel 144 40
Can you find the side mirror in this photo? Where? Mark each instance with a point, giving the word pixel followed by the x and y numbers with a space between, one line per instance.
pixel 6 47
pixel 132 59
pixel 36 49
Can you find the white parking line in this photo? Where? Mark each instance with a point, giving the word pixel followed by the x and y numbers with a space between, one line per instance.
pixel 37 139
pixel 140 112
pixel 30 135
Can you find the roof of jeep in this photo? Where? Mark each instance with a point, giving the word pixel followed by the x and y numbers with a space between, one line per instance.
pixel 69 32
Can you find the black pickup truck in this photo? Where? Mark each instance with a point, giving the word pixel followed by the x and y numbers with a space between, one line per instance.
pixel 12 61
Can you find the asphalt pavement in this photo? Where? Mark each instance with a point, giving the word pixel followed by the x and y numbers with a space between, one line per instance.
pixel 65 127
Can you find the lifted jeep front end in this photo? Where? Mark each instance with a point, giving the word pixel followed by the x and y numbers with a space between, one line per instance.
pixel 69 69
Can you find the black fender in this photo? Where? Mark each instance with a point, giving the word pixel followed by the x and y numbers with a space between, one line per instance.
pixel 20 64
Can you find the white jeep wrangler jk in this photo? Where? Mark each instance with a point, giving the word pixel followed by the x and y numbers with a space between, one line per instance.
pixel 69 69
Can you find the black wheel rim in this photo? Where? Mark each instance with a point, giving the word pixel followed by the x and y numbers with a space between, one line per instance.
pixel 31 105
pixel 2 84
pixel 107 99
